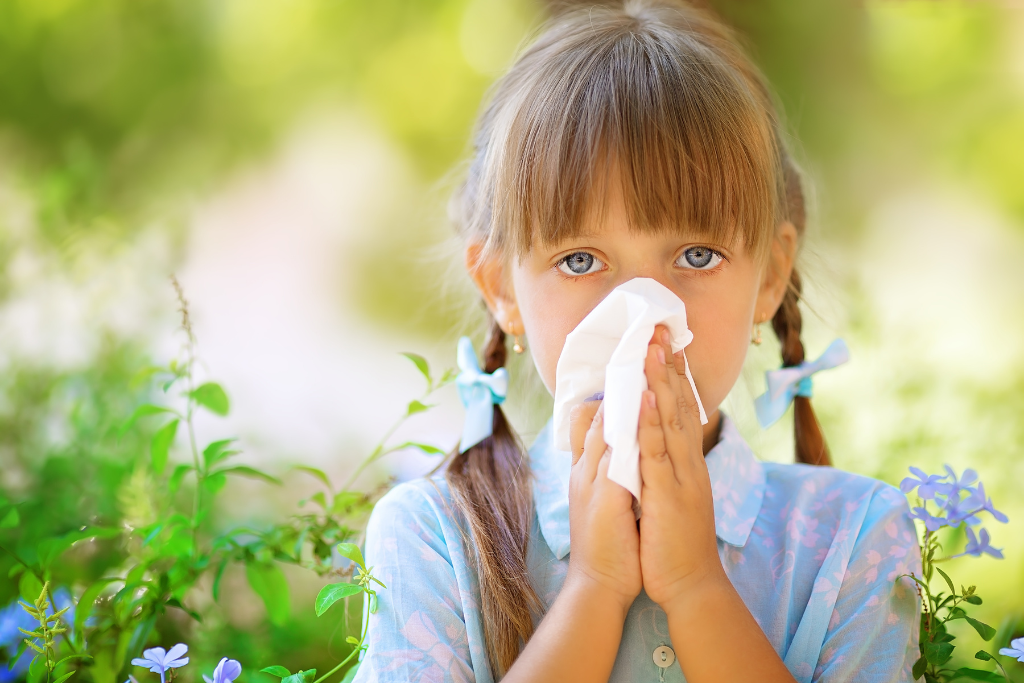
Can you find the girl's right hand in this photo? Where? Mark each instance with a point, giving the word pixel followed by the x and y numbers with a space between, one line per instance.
pixel 605 551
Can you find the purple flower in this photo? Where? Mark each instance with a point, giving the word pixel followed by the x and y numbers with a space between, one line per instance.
pixel 929 484
pixel 227 670
pixel 977 547
pixel 159 660
pixel 931 522
pixel 1016 649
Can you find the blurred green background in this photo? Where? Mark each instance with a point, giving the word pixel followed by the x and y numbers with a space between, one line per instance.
pixel 290 161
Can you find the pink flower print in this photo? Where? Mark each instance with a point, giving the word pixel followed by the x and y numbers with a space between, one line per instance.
pixel 890 528
pixel 422 634
pixel 898 551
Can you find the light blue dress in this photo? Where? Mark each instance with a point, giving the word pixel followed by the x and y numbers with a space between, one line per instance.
pixel 813 551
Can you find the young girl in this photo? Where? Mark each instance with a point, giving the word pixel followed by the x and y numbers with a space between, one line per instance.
pixel 639 141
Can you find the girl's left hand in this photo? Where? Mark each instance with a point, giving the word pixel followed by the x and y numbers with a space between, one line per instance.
pixel 678 547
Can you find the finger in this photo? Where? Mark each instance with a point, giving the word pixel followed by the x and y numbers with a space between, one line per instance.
pixel 594 446
pixel 656 468
pixel 663 337
pixel 580 418
pixel 687 399
pixel 677 426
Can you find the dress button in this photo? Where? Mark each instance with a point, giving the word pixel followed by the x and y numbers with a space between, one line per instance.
pixel 664 656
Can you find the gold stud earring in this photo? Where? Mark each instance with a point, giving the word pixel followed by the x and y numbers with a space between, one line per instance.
pixel 755 337
pixel 517 346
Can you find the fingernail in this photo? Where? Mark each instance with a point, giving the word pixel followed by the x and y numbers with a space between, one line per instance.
pixel 650 399
pixel 599 396
pixel 664 337
pixel 660 353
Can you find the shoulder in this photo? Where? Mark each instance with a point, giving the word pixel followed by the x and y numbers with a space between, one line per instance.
pixel 829 486
pixel 827 492
pixel 422 502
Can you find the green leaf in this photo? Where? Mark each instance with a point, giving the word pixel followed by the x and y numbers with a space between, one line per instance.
pixel 52 548
pixel 949 581
pixel 977 675
pixel 276 670
pixel 29 587
pixel 373 603
pixel 217 451
pixel 331 593
pixel 174 482
pixel 212 397
pixel 246 471
pixel 352 640
pixel 938 653
pixel 160 445
pixel 217 576
pixel 973 599
pixel 145 410
pixel 319 474
pixel 984 630
pixel 88 601
pixel 65 677
pixel 346 500
pixel 351 673
pixel 426 448
pixel 352 552
pixel 982 655
pixel 11 519
pixel 306 676
pixel 214 482
pixel 422 365
pixel 75 656
pixel 269 583
pixel 416 407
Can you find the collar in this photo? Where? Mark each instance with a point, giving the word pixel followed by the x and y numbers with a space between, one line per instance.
pixel 737 487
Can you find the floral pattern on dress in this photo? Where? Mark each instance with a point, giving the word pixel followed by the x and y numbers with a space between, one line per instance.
pixel 815 553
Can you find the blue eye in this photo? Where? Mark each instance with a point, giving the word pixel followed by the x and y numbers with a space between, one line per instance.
pixel 699 258
pixel 580 263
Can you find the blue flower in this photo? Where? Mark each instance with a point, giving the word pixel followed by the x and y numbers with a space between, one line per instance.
pixel 977 547
pixel 929 484
pixel 159 660
pixel 227 670
pixel 931 522
pixel 1016 649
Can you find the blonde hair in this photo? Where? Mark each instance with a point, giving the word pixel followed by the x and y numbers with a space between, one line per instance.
pixel 661 92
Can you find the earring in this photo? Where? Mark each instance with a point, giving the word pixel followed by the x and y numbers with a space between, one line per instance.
pixel 755 337
pixel 517 346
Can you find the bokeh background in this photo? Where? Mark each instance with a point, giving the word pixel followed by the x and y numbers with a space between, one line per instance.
pixel 290 161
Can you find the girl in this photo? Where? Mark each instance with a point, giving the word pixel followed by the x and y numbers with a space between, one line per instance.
pixel 638 141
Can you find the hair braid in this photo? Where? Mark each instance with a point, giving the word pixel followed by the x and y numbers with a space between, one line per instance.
pixel 490 484
pixel 788 323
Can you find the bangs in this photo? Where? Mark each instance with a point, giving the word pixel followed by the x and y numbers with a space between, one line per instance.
pixel 658 108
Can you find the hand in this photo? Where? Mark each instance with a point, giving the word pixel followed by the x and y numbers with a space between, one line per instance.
pixel 678 549
pixel 605 543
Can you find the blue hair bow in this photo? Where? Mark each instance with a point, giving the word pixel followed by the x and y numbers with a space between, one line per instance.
pixel 478 392
pixel 785 384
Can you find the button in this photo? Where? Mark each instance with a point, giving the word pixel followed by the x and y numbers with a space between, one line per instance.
pixel 664 656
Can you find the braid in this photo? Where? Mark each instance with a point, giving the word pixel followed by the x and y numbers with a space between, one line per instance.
pixel 490 485
pixel 787 323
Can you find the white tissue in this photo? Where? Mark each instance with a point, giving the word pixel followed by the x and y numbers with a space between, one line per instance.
pixel 606 352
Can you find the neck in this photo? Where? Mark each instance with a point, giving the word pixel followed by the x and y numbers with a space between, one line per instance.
pixel 712 430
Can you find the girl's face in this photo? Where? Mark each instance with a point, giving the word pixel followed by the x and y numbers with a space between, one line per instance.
pixel 547 293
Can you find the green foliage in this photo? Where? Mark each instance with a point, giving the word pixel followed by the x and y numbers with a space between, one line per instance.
pixel 164 547
pixel 942 609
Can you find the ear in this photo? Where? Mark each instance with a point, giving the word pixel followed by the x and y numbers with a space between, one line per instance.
pixel 491 278
pixel 777 272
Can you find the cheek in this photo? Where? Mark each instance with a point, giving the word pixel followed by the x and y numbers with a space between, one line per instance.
pixel 548 320
pixel 721 337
